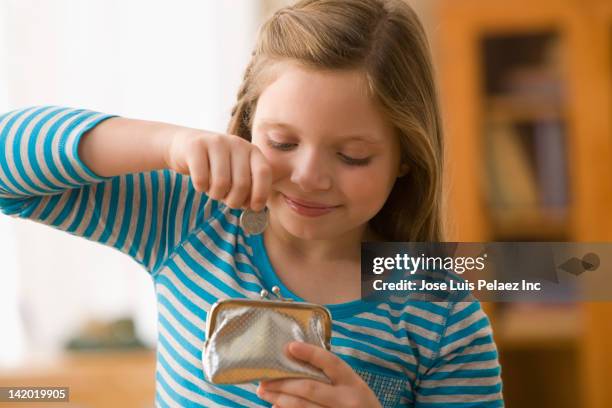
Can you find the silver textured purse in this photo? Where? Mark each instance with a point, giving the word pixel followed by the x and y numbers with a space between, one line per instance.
pixel 246 338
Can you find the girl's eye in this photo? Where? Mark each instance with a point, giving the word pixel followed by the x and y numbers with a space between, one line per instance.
pixel 280 146
pixel 355 162
pixel 349 160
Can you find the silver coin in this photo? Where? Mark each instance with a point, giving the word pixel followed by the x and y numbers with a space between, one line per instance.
pixel 254 222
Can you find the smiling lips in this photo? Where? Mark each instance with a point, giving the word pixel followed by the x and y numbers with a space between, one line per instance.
pixel 308 208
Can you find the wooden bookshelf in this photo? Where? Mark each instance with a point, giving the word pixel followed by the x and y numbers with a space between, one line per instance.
pixel 508 108
pixel 516 332
pixel 511 66
pixel 536 224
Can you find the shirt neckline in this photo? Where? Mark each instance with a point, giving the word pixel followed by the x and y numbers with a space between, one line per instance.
pixel 270 279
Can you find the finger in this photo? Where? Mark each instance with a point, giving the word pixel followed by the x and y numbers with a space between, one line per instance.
pixel 333 366
pixel 262 180
pixel 199 171
pixel 286 400
pixel 241 178
pixel 312 390
pixel 247 202
pixel 220 165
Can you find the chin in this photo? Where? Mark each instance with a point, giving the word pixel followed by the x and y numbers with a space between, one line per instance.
pixel 307 229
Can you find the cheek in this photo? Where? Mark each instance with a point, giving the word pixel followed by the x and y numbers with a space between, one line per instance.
pixel 280 168
pixel 367 188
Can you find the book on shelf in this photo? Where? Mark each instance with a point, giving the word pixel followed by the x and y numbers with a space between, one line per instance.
pixel 511 180
pixel 529 176
pixel 551 163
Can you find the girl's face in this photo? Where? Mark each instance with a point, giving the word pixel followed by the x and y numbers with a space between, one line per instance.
pixel 329 146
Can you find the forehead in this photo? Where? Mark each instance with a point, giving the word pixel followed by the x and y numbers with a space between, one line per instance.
pixel 321 102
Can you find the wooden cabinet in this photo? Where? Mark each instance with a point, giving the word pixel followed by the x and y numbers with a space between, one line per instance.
pixel 526 96
pixel 95 379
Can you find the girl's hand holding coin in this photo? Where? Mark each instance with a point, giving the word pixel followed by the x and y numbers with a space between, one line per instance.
pixel 227 168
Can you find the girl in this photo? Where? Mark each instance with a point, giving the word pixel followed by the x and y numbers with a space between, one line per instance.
pixel 337 131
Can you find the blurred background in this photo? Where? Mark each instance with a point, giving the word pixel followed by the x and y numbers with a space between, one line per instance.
pixel 526 95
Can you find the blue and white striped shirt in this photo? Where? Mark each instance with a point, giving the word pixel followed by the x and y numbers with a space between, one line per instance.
pixel 421 354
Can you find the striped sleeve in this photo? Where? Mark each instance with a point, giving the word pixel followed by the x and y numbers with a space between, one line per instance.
pixel 144 215
pixel 465 372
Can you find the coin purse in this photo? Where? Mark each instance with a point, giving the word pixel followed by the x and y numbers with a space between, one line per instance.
pixel 246 339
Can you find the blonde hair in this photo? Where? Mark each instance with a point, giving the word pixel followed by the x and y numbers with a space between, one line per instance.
pixel 385 40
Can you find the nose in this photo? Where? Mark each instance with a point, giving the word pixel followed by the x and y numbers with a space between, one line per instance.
pixel 311 171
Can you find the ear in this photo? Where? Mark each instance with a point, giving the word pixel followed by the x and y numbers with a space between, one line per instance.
pixel 403 170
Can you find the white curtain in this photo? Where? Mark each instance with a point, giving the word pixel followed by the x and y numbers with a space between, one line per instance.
pixel 174 61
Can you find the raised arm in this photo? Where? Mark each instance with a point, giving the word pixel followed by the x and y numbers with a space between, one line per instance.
pixel 120 146
pixel 99 177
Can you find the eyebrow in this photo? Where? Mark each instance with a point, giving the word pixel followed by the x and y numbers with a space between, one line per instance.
pixel 361 137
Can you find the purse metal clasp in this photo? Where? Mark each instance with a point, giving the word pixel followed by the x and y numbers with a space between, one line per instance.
pixel 264 294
